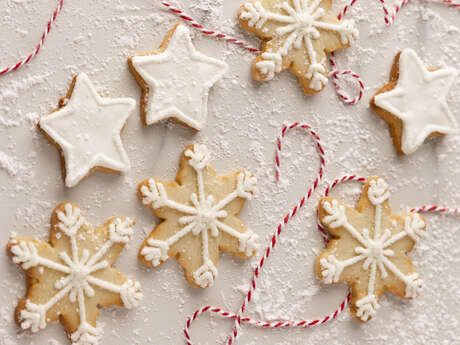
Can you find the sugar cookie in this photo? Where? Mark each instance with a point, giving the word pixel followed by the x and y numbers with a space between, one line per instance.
pixel 199 214
pixel 368 248
pixel 86 129
pixel 70 277
pixel 297 35
pixel 175 80
pixel 414 102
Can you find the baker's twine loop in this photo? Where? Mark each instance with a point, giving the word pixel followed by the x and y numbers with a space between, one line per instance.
pixel 337 75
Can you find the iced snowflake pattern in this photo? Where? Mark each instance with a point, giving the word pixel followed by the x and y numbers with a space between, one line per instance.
pixel 378 248
pixel 72 268
pixel 296 26
pixel 201 216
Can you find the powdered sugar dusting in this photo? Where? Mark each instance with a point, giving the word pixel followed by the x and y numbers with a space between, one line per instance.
pixel 243 121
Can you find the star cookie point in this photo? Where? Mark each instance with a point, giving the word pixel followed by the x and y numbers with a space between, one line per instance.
pixel 414 102
pixel 86 129
pixel 175 80
pixel 368 248
pixel 199 217
pixel 71 276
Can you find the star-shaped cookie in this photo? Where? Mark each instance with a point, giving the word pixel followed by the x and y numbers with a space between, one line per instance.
pixel 297 35
pixel 414 102
pixel 70 277
pixel 369 247
pixel 175 80
pixel 86 129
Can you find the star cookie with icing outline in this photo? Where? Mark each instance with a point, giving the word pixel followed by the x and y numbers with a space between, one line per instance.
pixel 297 35
pixel 199 212
pixel 176 80
pixel 86 129
pixel 70 277
pixel 368 249
pixel 414 102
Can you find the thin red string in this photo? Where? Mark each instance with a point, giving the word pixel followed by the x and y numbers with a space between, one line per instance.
pixel 28 58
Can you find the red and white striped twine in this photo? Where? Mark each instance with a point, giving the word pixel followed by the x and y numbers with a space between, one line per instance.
pixel 389 18
pixel 208 32
pixel 238 317
pixel 27 59
pixel 451 3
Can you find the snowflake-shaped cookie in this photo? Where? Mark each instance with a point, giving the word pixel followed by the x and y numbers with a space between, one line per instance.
pixel 368 248
pixel 72 275
pixel 297 35
pixel 200 217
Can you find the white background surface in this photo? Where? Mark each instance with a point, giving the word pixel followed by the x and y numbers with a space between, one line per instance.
pixel 243 121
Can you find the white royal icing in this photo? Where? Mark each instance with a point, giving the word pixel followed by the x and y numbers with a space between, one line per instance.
pixel 178 80
pixel 78 279
pixel 300 22
pixel 373 251
pixel 203 215
pixel 87 129
pixel 419 100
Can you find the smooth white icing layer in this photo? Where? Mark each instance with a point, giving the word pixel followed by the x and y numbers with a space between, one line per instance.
pixel 420 101
pixel 87 129
pixel 178 80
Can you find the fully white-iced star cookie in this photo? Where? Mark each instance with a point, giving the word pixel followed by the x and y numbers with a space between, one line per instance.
pixel 175 80
pixel 86 129
pixel 414 102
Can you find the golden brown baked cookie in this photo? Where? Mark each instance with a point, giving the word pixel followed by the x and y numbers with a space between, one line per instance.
pixel 368 248
pixel 297 35
pixel 70 277
pixel 414 103
pixel 199 212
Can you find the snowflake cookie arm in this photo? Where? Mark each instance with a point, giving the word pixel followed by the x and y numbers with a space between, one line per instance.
pixel 167 201
pixel 403 279
pixel 336 263
pixel 41 263
pixel 231 192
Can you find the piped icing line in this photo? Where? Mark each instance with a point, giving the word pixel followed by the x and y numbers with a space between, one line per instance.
pixel 87 129
pixel 78 280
